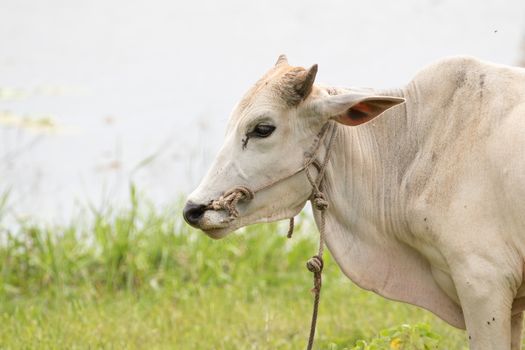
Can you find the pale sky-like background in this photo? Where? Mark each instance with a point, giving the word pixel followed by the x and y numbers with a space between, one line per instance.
pixel 125 82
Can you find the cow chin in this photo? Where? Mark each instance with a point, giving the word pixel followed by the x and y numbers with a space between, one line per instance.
pixel 217 233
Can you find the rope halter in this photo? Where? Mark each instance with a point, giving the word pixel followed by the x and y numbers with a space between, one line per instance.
pixel 228 200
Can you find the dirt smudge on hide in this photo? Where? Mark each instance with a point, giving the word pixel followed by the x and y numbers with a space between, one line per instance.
pixel 461 79
pixel 481 85
pixel 481 89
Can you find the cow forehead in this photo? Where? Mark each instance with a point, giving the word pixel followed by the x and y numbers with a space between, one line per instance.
pixel 276 88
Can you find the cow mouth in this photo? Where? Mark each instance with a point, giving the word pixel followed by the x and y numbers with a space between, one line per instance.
pixel 217 223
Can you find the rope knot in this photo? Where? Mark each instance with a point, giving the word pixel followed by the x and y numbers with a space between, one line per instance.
pixel 320 201
pixel 315 264
pixel 228 201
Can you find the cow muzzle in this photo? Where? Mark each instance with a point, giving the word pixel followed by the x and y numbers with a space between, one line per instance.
pixel 217 216
pixel 215 223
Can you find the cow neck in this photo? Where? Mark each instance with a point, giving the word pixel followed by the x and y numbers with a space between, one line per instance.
pixel 364 181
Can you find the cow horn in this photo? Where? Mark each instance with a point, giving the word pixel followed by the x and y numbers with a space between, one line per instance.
pixel 304 86
pixel 281 60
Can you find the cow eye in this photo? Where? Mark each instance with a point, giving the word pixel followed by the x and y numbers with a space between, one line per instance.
pixel 262 130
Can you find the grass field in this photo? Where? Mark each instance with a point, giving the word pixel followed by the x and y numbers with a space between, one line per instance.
pixel 141 279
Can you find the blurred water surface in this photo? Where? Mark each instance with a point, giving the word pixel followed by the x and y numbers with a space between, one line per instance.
pixel 96 93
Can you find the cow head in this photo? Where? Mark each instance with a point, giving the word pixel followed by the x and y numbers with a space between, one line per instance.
pixel 268 134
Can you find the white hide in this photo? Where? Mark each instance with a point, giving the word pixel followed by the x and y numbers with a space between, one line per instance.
pixel 427 201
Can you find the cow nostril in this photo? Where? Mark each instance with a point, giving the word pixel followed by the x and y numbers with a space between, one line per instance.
pixel 193 213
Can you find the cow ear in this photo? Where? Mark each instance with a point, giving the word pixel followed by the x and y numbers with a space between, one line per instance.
pixel 366 110
pixel 354 108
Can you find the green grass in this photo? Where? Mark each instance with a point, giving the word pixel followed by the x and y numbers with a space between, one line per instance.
pixel 141 279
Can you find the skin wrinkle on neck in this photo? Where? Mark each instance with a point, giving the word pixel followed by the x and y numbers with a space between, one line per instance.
pixel 370 148
pixel 366 206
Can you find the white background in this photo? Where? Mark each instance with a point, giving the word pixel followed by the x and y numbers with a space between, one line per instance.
pixel 125 80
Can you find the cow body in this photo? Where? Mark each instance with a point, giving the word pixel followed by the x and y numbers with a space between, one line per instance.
pixel 430 197
pixel 427 202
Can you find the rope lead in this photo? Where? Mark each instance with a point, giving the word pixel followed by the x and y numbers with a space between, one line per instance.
pixel 320 203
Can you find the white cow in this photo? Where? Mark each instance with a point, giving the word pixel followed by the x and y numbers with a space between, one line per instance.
pixel 427 202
